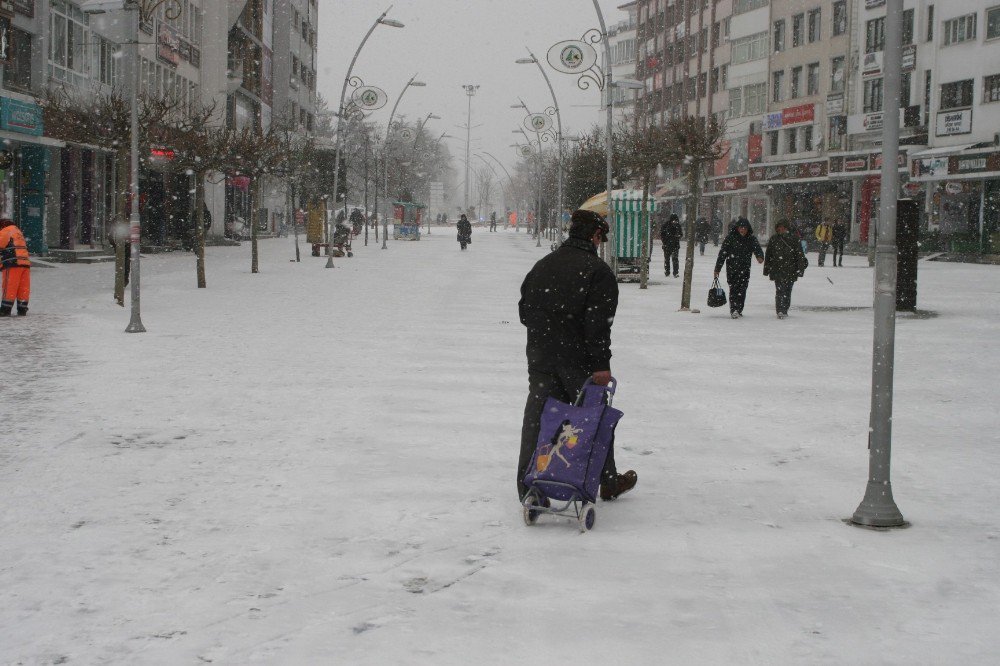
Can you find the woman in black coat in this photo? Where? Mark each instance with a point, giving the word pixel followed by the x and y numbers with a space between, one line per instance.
pixel 464 228
pixel 736 251
pixel 784 263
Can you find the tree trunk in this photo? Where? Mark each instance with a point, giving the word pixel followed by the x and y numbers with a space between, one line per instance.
pixel 120 236
pixel 254 201
pixel 644 230
pixel 694 186
pixel 199 227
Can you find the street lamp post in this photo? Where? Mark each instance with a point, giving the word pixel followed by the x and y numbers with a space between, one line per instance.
pixel 412 83
pixel 381 20
pixel 538 174
pixel 470 91
pixel 559 138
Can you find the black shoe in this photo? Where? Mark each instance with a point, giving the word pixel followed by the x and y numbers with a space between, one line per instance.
pixel 22 312
pixel 5 311
pixel 621 484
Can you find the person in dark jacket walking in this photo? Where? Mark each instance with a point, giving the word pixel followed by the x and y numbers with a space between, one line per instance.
pixel 784 262
pixel 568 303
pixel 736 251
pixel 839 239
pixel 702 230
pixel 716 229
pixel 464 228
pixel 670 236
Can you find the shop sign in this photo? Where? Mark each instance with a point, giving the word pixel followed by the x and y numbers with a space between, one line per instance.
pixel 5 49
pixel 730 184
pixel 929 166
pixel 835 104
pixel 168 44
pixel 909 57
pixel 18 116
pixel 872 4
pixel 912 189
pixel 953 188
pixel 851 164
pixel 799 171
pixel 861 123
pixel 978 163
pixel 772 121
pixel 871 66
pixel 875 159
pixel 795 115
pixel 950 123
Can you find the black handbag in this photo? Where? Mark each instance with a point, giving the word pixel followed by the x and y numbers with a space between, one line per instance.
pixel 716 295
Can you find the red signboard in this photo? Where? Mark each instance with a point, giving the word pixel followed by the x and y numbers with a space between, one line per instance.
pixel 755 148
pixel 168 42
pixel 731 184
pixel 798 114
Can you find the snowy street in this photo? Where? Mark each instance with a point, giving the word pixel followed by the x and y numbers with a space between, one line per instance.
pixel 311 466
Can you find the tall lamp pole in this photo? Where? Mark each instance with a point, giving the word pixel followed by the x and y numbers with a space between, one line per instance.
pixel 878 508
pixel 559 138
pixel 412 83
pixel 381 20
pixel 470 90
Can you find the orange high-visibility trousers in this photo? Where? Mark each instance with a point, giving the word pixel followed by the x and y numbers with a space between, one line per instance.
pixel 16 286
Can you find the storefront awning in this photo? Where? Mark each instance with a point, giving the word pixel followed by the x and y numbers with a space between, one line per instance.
pixel 28 138
pixel 941 151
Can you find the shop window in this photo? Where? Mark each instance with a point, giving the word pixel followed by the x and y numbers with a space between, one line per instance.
pixel 839 17
pixel 17 70
pixel 812 79
pixel 961 29
pixel 991 88
pixel 956 95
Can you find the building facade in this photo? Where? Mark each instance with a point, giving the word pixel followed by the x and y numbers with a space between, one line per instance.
pixel 621 38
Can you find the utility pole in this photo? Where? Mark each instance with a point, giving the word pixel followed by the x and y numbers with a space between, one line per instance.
pixel 470 91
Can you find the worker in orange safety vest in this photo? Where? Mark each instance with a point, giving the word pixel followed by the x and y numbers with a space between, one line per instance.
pixel 15 267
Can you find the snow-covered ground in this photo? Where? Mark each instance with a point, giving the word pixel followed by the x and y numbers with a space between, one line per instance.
pixel 311 466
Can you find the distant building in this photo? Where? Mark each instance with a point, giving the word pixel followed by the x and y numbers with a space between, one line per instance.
pixel 621 39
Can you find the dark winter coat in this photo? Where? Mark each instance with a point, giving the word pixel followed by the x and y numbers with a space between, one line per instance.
pixel 568 303
pixel 737 252
pixel 464 229
pixel 839 232
pixel 670 233
pixel 702 230
pixel 784 261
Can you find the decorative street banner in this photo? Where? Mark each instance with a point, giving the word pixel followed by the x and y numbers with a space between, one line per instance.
pixel 525 151
pixel 538 122
pixel 406 134
pixel 369 98
pixel 573 56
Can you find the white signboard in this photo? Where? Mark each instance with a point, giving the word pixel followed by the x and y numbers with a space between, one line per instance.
pixel 954 122
pixel 861 123
pixel 871 65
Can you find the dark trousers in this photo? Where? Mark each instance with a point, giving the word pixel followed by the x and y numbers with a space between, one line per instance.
pixel 822 253
pixel 701 246
pixel 671 254
pixel 783 295
pixel 563 384
pixel 493 226
pixel 738 294
pixel 838 249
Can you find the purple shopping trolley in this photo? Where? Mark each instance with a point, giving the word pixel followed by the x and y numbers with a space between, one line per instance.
pixel 573 444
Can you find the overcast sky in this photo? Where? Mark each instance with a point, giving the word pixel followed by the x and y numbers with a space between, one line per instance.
pixel 454 42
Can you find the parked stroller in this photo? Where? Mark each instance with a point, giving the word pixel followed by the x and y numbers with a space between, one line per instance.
pixel 573 444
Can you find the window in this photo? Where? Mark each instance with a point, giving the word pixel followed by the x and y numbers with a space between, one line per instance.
pixel 907 27
pixel 798 25
pixel 68 43
pixel 743 6
pixel 17 70
pixel 928 87
pixel 993 23
pixel 814 25
pixel 904 90
pixel 773 140
pixel 838 74
pixel 715 79
pixel 796 87
pixel 790 139
pixel 930 23
pixel 779 36
pixel 702 84
pixel 873 96
pixel 991 88
pixel 961 29
pixel 691 91
pixel 875 35
pixel 735 103
pixel 724 76
pixel 755 99
pixel 807 138
pixel 777 86
pixel 812 79
pixel 956 95
pixel 839 17
pixel 751 47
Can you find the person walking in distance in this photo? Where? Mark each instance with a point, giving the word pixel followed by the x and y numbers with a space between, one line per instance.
pixel 493 221
pixel 824 234
pixel 16 269
pixel 784 263
pixel 839 239
pixel 568 303
pixel 670 236
pixel 702 230
pixel 736 252
pixel 464 228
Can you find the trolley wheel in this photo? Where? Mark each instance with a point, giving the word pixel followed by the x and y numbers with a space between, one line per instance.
pixel 349 254
pixel 587 518
pixel 530 514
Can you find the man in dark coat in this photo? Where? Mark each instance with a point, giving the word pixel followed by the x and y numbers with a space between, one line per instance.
pixel 736 251
pixel 464 228
pixel 702 230
pixel 670 236
pixel 839 239
pixel 568 303
pixel 784 262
